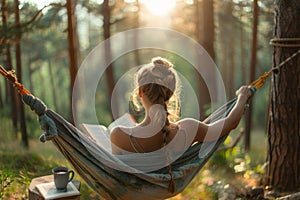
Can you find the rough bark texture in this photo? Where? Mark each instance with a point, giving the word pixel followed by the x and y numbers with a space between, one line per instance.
pixel 248 114
pixel 72 45
pixel 19 75
pixel 283 172
pixel 204 31
pixel 8 61
pixel 110 80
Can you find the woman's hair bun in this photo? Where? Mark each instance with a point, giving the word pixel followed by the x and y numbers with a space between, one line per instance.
pixel 162 61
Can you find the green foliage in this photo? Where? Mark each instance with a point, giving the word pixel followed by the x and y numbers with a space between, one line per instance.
pixel 201 186
pixel 239 162
pixel 5 182
pixel 18 167
pixel 16 171
pixel 16 161
pixel 46 75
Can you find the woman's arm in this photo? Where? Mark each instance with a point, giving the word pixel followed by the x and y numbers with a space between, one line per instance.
pixel 215 130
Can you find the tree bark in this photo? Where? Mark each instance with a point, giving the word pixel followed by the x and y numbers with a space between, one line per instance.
pixel 1 100
pixel 136 34
pixel 243 50
pixel 248 114
pixel 53 85
pixel 110 80
pixel 11 91
pixel 202 94
pixel 231 50
pixel 208 24
pixel 72 46
pixel 19 75
pixel 283 171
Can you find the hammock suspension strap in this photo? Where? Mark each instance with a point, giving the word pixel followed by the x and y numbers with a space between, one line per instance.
pixel 283 43
pixel 261 80
pixel 11 76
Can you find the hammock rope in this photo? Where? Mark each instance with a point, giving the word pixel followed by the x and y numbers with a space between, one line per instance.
pixel 261 80
pixel 285 42
pixel 89 159
pixel 12 78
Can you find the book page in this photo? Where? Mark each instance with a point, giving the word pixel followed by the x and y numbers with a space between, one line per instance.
pixel 100 134
pixel 95 131
pixel 125 120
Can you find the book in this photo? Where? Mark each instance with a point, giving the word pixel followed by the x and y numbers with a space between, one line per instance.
pixel 101 134
pixel 49 191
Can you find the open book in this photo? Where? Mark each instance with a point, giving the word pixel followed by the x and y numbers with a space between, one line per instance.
pixel 100 133
pixel 49 191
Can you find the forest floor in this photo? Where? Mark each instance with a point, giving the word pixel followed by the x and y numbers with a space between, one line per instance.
pixel 230 174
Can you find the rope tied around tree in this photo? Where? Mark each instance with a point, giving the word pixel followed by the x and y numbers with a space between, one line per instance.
pixel 261 80
pixel 285 42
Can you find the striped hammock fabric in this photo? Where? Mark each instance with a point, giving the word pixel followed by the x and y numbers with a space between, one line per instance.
pixel 94 164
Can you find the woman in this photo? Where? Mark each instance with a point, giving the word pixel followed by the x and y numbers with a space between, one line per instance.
pixel 158 89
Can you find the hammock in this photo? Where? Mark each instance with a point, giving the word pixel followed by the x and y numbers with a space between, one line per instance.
pixel 99 168
pixel 91 161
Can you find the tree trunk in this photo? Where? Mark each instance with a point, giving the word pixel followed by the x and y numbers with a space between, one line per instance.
pixel 1 100
pixel 224 21
pixel 30 72
pixel 53 85
pixel 231 50
pixel 19 75
pixel 10 88
pixel 248 114
pixel 208 29
pixel 110 80
pixel 243 60
pixel 72 46
pixel 283 172
pixel 136 34
pixel 202 94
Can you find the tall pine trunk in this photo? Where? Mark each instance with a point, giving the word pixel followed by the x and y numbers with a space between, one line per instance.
pixel 283 172
pixel 8 61
pixel 248 114
pixel 231 51
pixel 203 93
pixel 72 46
pixel 19 75
pixel 53 91
pixel 110 80
pixel 1 100
pixel 136 34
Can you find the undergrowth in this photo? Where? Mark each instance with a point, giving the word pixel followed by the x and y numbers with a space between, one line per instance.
pixel 19 166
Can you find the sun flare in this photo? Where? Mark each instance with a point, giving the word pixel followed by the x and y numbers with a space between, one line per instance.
pixel 159 7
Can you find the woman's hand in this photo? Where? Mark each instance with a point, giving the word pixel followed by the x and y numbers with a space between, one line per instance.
pixel 244 92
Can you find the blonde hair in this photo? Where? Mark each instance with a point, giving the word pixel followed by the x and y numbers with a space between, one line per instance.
pixel 159 81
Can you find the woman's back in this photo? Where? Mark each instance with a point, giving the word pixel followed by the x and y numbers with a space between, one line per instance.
pixel 158 91
pixel 133 140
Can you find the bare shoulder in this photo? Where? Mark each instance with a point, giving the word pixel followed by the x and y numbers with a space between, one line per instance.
pixel 193 128
pixel 117 134
pixel 120 140
pixel 114 134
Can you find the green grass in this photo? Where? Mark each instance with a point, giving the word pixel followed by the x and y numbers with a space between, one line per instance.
pixel 222 169
pixel 19 166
